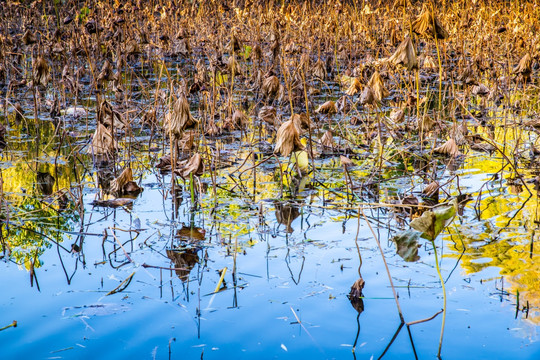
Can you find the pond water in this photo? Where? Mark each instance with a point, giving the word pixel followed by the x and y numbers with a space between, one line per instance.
pixel 242 262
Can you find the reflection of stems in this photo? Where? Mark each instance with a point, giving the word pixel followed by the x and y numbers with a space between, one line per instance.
pixel 444 299
pixel 386 266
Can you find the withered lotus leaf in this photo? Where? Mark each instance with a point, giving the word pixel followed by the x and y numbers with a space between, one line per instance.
pixel 288 138
pixel 449 148
pixel 179 117
pixel 405 55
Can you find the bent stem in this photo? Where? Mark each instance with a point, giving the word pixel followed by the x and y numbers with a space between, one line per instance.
pixel 444 299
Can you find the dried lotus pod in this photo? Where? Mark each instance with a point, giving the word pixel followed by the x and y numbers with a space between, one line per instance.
pixel 449 148
pixel 428 25
pixel 345 161
pixel 405 55
pixel 239 119
pixel 179 117
pixel 377 85
pixel 288 138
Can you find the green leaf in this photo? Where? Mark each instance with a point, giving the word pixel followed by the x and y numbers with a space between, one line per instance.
pixel 407 244
pixel 432 223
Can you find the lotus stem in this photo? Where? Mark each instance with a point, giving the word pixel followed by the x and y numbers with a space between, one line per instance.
pixel 444 300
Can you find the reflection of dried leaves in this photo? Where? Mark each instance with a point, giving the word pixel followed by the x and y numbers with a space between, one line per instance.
pixel 449 148
pixel 407 245
pixel 190 234
pixel 483 146
pixel 288 138
pixel 286 213
pixel 184 261
pixel 45 182
pixel 114 203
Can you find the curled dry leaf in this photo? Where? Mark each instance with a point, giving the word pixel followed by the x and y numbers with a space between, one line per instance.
pixel 432 189
pixel 354 88
pixel 405 55
pixel 397 116
pixel 268 114
pixel 429 63
pixel 239 119
pixel 328 107
pixel 327 140
pixel 368 96
pixel 103 142
pixel 480 90
pixel 124 184
pixel 449 148
pixel 319 69
pixel 345 161
pixel 195 167
pixel 270 87
pixel 41 71
pixel 523 68
pixel 288 137
pixel 377 85
pixel 428 25
pixel 183 261
pixel 179 118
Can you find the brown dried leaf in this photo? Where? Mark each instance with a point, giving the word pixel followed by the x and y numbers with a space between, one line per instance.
pixel 449 148
pixel 288 138
pixel 179 118
pixel 377 85
pixel 405 55
pixel 102 141
pixel 328 107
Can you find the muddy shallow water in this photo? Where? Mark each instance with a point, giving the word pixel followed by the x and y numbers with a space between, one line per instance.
pixel 247 258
